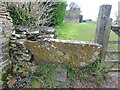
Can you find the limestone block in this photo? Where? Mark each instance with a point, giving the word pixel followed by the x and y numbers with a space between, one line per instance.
pixel 6 29
pixel 49 31
pixel 61 74
pixel 75 53
pixel 4 57
pixel 46 36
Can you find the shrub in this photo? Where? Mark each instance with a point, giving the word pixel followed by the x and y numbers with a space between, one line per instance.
pixel 37 13
pixel 31 13
pixel 84 21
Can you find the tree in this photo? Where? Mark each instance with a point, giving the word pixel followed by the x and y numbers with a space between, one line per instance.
pixel 59 13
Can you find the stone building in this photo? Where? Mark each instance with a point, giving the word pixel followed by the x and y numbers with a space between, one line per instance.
pixel 72 15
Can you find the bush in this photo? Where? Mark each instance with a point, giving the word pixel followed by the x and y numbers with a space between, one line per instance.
pixel 84 21
pixel 17 17
pixel 26 15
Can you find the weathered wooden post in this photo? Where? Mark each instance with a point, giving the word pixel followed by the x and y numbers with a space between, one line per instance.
pixel 119 13
pixel 103 29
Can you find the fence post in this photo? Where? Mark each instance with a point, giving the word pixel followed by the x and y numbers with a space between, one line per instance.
pixel 119 13
pixel 106 37
pixel 103 30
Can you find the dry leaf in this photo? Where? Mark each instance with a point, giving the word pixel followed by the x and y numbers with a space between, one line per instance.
pixel 11 81
pixel 9 76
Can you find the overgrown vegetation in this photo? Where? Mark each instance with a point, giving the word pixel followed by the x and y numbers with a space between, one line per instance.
pixel 44 76
pixel 47 13
pixel 94 74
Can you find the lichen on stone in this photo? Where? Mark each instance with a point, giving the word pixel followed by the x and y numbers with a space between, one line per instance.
pixel 75 53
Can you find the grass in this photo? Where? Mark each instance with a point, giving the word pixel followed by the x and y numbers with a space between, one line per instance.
pixel 82 32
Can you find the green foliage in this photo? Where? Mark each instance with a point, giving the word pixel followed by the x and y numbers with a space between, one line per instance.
pixel 47 74
pixel 17 18
pixel 1 82
pixel 35 83
pixel 4 76
pixel 84 21
pixel 72 72
pixel 93 73
pixel 80 18
pixel 20 17
pixel 59 13
pixel 8 71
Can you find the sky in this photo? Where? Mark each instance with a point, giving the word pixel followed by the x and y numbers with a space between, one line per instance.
pixel 90 8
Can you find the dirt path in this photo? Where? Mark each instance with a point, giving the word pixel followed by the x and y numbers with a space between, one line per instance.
pixel 111 82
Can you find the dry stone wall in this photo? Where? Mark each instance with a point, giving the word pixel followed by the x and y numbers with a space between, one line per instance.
pixel 75 53
pixel 5 33
pixel 18 51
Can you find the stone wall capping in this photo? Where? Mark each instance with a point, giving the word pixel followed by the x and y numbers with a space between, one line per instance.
pixel 68 41
pixel 73 41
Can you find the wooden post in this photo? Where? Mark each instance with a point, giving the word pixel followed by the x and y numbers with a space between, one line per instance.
pixel 104 12
pixel 103 30
pixel 119 13
pixel 105 41
pixel 119 38
pixel 106 37
pixel 102 25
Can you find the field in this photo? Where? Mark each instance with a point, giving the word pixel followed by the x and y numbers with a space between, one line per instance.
pixel 81 32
